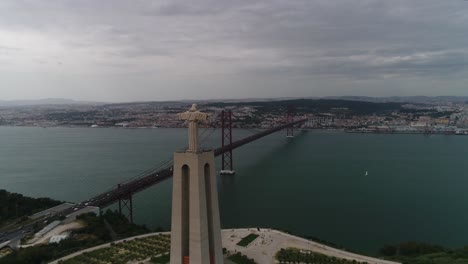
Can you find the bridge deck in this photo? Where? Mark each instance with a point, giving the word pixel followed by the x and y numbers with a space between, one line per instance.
pixel 136 185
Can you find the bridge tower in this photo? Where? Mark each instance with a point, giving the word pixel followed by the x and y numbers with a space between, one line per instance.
pixel 126 202
pixel 196 228
pixel 226 141
pixel 290 119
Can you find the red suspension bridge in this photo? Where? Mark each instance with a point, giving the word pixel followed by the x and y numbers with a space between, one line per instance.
pixel 123 192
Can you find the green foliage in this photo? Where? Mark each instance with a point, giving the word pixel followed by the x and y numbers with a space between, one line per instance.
pixel 96 226
pixel 411 249
pixel 134 250
pixel 441 114
pixel 437 258
pixel 241 259
pixel 161 259
pixel 15 205
pixel 95 233
pixel 247 240
pixel 294 255
pixel 423 253
pixel 318 106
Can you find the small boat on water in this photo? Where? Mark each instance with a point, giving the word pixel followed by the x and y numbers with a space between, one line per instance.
pixel 366 173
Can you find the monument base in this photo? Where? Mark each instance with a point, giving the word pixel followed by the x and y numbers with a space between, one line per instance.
pixel 196 228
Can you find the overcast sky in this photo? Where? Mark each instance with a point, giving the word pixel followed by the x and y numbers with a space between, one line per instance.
pixel 115 50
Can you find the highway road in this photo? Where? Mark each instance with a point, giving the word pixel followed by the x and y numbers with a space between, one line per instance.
pixel 14 235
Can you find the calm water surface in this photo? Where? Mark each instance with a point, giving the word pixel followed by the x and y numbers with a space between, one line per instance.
pixel 315 184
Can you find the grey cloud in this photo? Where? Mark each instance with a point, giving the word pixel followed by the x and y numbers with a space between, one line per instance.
pixel 196 8
pixel 251 40
pixel 377 66
pixel 8 49
pixel 179 9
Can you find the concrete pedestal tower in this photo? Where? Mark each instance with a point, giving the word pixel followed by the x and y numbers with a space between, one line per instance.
pixel 196 228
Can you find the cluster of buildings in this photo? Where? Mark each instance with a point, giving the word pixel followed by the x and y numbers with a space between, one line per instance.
pixel 434 121
pixel 112 115
pixel 129 115
pixel 412 118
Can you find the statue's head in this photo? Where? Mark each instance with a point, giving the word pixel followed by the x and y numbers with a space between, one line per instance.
pixel 193 108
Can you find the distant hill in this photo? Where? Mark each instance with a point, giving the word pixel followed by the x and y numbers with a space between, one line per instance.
pixel 388 99
pixel 404 99
pixel 46 101
pixel 319 105
pixel 391 99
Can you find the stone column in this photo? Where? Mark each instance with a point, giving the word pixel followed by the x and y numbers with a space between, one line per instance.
pixel 193 136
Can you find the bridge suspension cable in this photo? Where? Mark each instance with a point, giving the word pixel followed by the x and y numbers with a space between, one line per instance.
pixel 164 170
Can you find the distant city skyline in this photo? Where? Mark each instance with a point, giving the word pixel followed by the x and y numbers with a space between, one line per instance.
pixel 125 51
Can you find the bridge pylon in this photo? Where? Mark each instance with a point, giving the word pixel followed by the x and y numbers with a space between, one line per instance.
pixel 290 119
pixel 227 167
pixel 126 202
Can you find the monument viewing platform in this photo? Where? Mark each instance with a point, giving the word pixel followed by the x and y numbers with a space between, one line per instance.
pixel 265 248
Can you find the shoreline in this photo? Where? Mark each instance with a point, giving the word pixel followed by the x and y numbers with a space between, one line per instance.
pixel 340 130
pixel 406 133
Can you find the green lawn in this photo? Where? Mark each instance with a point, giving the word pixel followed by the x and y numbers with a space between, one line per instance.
pixel 247 240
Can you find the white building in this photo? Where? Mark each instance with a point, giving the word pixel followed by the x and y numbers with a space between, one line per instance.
pixel 57 239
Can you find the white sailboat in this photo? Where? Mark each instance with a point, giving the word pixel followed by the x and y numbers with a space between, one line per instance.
pixel 366 173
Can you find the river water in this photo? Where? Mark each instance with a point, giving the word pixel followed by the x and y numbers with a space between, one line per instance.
pixel 416 187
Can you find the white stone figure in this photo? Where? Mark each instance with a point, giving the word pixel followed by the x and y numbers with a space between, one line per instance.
pixel 193 116
pixel 195 227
